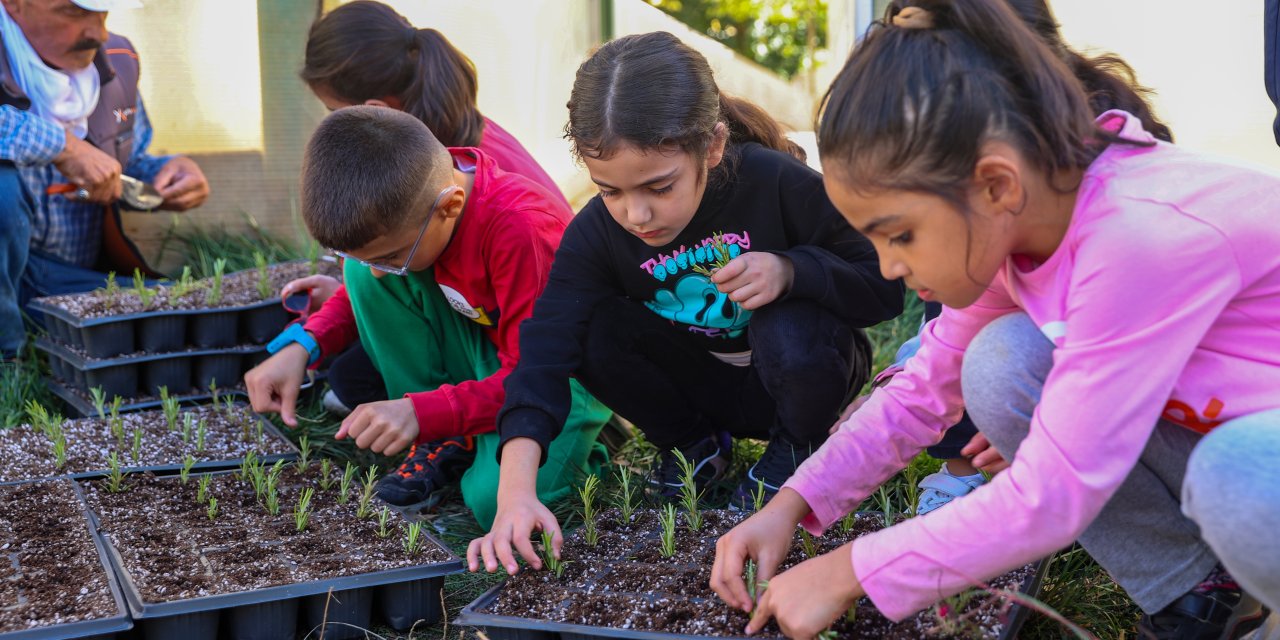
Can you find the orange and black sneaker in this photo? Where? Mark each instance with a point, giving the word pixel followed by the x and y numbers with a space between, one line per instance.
pixel 429 467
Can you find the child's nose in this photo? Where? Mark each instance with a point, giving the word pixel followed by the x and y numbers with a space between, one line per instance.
pixel 892 269
pixel 377 273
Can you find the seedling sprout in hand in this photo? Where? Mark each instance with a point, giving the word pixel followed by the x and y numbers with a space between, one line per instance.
pixel 721 256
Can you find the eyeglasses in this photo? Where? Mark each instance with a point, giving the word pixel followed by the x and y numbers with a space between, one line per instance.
pixel 400 271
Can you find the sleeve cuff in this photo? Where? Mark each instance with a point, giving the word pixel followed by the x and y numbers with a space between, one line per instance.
pixel 809 278
pixel 436 417
pixel 525 422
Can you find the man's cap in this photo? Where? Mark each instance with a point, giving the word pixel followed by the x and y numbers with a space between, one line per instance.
pixel 103 6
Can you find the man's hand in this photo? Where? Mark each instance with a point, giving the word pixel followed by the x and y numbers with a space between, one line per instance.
pixel 755 278
pixel 182 184
pixel 382 427
pixel 273 385
pixel 89 168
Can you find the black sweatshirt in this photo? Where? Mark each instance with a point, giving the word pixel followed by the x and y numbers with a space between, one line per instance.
pixel 769 201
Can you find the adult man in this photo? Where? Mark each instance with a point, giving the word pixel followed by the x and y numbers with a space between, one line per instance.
pixel 70 114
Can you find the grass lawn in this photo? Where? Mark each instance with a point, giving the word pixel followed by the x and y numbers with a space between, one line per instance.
pixel 1076 586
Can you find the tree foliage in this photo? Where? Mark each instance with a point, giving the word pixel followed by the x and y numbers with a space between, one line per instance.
pixel 779 34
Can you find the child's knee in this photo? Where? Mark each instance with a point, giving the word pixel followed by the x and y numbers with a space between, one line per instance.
pixel 1003 371
pixel 800 338
pixel 1220 480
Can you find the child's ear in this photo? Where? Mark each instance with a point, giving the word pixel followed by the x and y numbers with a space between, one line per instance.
pixel 998 181
pixel 719 140
pixel 452 205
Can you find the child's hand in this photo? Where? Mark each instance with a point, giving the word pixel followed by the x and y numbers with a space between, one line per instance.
pixel 382 427
pixel 807 598
pixel 516 521
pixel 755 278
pixel 273 385
pixel 985 456
pixel 766 537
pixel 321 287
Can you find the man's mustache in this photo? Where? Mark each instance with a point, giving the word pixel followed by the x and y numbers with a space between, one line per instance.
pixel 87 45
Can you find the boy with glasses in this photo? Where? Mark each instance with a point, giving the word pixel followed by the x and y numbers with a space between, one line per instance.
pixel 445 254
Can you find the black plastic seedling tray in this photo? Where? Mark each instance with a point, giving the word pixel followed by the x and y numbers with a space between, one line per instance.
pixel 81 407
pixel 143 375
pixel 506 627
pixel 102 628
pixel 345 606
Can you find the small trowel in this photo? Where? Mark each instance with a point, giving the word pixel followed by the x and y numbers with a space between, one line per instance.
pixel 135 194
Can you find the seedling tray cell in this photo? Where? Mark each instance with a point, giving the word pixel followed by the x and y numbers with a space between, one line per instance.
pixel 58 497
pixel 625 591
pixel 143 374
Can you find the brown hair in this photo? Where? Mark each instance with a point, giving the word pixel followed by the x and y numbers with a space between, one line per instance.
pixel 365 50
pixel 653 91
pixel 913 106
pixel 363 171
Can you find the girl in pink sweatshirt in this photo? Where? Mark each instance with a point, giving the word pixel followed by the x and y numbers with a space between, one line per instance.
pixel 1112 325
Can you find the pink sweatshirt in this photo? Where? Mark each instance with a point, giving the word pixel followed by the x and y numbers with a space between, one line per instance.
pixel 1163 300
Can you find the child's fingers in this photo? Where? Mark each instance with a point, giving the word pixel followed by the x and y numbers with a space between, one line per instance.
pixel 977 444
pixel 384 443
pixel 525 548
pixel 557 540
pixel 726 575
pixel 473 555
pixel 289 403
pixel 762 615
pixel 354 424
pixel 374 427
pixel 729 271
pixel 502 550
pixel 490 556
pixel 987 458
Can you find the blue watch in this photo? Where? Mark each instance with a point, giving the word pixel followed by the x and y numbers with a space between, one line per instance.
pixel 295 333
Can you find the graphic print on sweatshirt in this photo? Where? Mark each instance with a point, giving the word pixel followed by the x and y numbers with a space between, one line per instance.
pixel 688 296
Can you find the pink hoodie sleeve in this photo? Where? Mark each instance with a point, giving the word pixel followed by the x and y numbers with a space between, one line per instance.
pixel 1133 320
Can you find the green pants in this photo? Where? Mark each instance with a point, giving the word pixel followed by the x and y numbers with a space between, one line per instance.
pixel 418 343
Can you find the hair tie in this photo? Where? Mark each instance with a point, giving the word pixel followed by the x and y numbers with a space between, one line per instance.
pixel 411 37
pixel 913 18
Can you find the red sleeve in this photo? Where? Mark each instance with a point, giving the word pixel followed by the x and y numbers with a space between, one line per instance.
pixel 334 325
pixel 517 254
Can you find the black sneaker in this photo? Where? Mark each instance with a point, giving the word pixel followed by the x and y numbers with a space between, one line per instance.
pixel 778 462
pixel 416 483
pixel 710 457
pixel 1217 609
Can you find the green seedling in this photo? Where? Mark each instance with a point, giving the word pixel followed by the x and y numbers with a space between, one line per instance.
pixel 302 511
pixel 313 256
pixel 886 505
pixel 116 422
pixel 304 455
pixel 246 422
pixel 99 402
pixel 115 476
pixel 258 478
pixel 625 497
pixel 59 451
pixel 39 416
pixel 847 522
pixel 213 392
pixel 200 434
pixel 187 420
pixel 246 466
pixel 667 518
pixel 202 489
pixel 326 474
pixel 808 544
pixel 689 494
pixel 367 486
pixel 110 292
pixel 264 276
pixel 383 516
pixel 271 488
pixel 213 296
pixel 136 449
pixel 413 539
pixel 757 496
pixel 229 408
pixel 754 586
pixel 184 286
pixel 720 251
pixel 344 485
pixel 587 492
pixel 212 511
pixel 170 406
pixel 549 560
pixel 187 463
pixel 145 295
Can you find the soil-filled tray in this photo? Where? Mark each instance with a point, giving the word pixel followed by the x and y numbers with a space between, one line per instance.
pixel 208 437
pixel 625 587
pixel 142 375
pixel 57 582
pixel 111 322
pixel 191 566
pixel 79 403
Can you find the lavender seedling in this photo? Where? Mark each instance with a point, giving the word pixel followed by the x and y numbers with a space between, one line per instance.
pixel 136 449
pixel 116 422
pixel 59 451
pixel 99 402
pixel 39 416
pixel 264 276
pixel 667 518
pixel 110 293
pixel 302 511
pixel 185 472
pixel 588 495
pixel 886 505
pixel 213 392
pixel 313 256
pixel 625 497
pixel 383 516
pixel 807 543
pixel 213 297
pixel 366 492
pixel 689 494
pixel 184 286
pixel 304 455
pixel 720 253
pixel 344 485
pixel 754 586
pixel 326 474
pixel 170 406
pixel 212 511
pixel 200 434
pixel 246 466
pixel 757 496
pixel 271 494
pixel 847 522
pixel 115 476
pixel 202 489
pixel 413 539
pixel 187 420
pixel 549 560
pixel 145 295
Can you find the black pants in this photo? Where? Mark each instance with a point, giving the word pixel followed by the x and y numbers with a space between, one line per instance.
pixel 805 363
pixel 354 379
pixel 961 432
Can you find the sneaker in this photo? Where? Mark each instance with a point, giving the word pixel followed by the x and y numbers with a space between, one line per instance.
pixel 428 468
pixel 333 405
pixel 939 489
pixel 777 464
pixel 1217 609
pixel 710 457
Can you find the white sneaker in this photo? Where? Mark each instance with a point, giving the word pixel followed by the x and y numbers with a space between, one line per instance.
pixel 333 405
pixel 939 489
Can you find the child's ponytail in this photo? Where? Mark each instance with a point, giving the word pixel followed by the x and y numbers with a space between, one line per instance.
pixel 442 93
pixel 924 90
pixel 749 122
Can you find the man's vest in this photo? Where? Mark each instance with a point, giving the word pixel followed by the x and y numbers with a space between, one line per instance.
pixel 110 129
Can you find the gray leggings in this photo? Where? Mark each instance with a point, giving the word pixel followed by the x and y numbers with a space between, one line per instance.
pixel 1190 502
